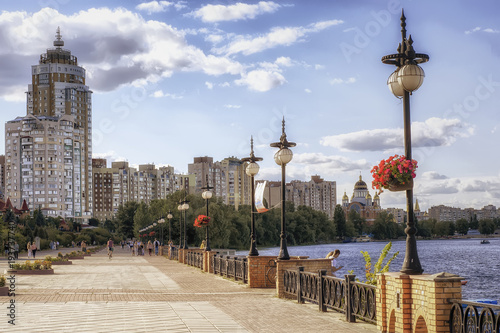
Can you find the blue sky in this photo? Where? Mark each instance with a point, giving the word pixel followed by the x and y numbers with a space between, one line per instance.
pixel 173 80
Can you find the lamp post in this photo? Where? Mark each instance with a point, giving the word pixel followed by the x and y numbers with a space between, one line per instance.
pixel 161 221
pixel 169 217
pixel 282 157
pixel 179 208
pixel 407 78
pixel 251 170
pixel 207 194
pixel 185 207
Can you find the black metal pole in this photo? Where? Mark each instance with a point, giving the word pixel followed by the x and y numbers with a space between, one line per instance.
pixel 253 245
pixel 207 239
pixel 169 231
pixel 185 243
pixel 283 255
pixel 180 230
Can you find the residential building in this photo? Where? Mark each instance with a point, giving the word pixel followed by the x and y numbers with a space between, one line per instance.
pixel 49 151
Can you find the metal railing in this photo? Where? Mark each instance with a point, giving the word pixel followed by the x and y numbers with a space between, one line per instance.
pixel 354 299
pixel 195 258
pixel 231 267
pixel 469 316
pixel 174 253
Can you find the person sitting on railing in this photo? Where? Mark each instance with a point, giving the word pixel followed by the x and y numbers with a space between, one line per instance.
pixel 334 255
pixel 202 246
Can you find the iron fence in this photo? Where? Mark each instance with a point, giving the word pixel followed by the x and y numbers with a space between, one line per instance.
pixel 174 253
pixel 194 258
pixel 470 316
pixel 354 299
pixel 231 267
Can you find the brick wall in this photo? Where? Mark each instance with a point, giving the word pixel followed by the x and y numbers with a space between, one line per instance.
pixel 415 303
pixel 261 270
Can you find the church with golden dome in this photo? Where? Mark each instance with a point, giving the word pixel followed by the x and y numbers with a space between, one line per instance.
pixel 362 202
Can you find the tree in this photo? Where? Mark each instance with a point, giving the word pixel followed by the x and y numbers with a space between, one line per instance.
pixel 462 226
pixel 94 222
pixel 487 227
pixel 384 226
pixel 357 221
pixel 125 218
pixel 474 223
pixel 142 218
pixel 339 221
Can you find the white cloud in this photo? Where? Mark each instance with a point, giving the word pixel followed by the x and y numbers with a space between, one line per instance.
pixel 119 48
pixel 209 85
pixel 319 67
pixel 261 80
pixel 487 30
pixel 308 90
pixel 431 133
pixel 280 36
pixel 110 156
pixel 230 106
pixel 239 11
pixel 160 94
pixel 154 6
pixel 342 81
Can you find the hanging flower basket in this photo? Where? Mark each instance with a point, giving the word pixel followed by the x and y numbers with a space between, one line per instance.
pixel 396 186
pixel 395 174
pixel 201 221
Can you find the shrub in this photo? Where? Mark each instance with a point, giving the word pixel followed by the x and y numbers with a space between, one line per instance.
pixel 2 281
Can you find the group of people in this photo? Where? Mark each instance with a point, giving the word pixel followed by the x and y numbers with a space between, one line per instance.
pixel 54 245
pixel 8 249
pixel 137 248
pixel 31 247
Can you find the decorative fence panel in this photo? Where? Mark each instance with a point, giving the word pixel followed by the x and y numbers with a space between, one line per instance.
pixel 195 258
pixel 354 299
pixel 469 316
pixel 174 253
pixel 231 267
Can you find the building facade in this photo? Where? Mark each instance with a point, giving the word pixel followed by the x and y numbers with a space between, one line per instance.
pixel 121 183
pixel 49 151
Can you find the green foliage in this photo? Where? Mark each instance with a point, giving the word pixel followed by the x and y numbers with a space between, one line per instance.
pixel 487 227
pixel 474 223
pixel 339 221
pixel 462 226
pixel 2 280
pixel 357 222
pixel 384 227
pixel 372 271
pixel 125 218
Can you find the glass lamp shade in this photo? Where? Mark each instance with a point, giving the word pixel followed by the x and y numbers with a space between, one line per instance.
pixel 155 224
pixel 185 206
pixel 283 156
pixel 179 207
pixel 161 221
pixel 169 216
pixel 206 195
pixel 394 85
pixel 252 169
pixel 411 77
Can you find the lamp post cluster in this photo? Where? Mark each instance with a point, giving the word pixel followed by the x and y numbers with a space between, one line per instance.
pixel 183 207
pixel 407 78
pixel 207 194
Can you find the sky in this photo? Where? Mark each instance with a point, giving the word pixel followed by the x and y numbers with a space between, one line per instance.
pixel 173 80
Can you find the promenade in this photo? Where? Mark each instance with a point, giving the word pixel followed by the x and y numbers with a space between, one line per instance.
pixel 153 294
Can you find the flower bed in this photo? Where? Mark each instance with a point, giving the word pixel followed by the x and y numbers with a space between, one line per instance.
pixel 38 267
pixel 59 260
pixel 75 255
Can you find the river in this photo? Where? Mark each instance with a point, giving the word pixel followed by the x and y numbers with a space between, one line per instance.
pixel 478 263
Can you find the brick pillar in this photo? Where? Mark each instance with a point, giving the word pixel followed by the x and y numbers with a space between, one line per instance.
pixel 207 261
pixel 260 268
pixel 416 303
pixel 182 253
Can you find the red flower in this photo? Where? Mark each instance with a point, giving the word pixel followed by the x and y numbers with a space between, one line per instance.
pixel 201 221
pixel 395 167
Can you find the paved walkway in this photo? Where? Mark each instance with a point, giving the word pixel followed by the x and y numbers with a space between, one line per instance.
pixel 149 294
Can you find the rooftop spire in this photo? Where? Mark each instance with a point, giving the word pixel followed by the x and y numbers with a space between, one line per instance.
pixel 58 43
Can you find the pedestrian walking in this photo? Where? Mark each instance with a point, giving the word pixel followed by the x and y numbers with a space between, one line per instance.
pixel 150 247
pixel 110 248
pixel 136 249
pixel 33 250
pixel 157 246
pixel 28 247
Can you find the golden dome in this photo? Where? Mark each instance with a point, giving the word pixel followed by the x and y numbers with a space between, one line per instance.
pixel 360 184
pixel 368 196
pixel 345 197
pixel 376 197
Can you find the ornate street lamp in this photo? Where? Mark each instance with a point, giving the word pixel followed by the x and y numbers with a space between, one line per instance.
pixel 407 78
pixel 169 217
pixel 251 170
pixel 179 208
pixel 161 221
pixel 207 195
pixel 282 157
pixel 185 207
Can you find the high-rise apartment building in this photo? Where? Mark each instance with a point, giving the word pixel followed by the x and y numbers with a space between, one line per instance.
pixel 49 152
pixel 121 183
